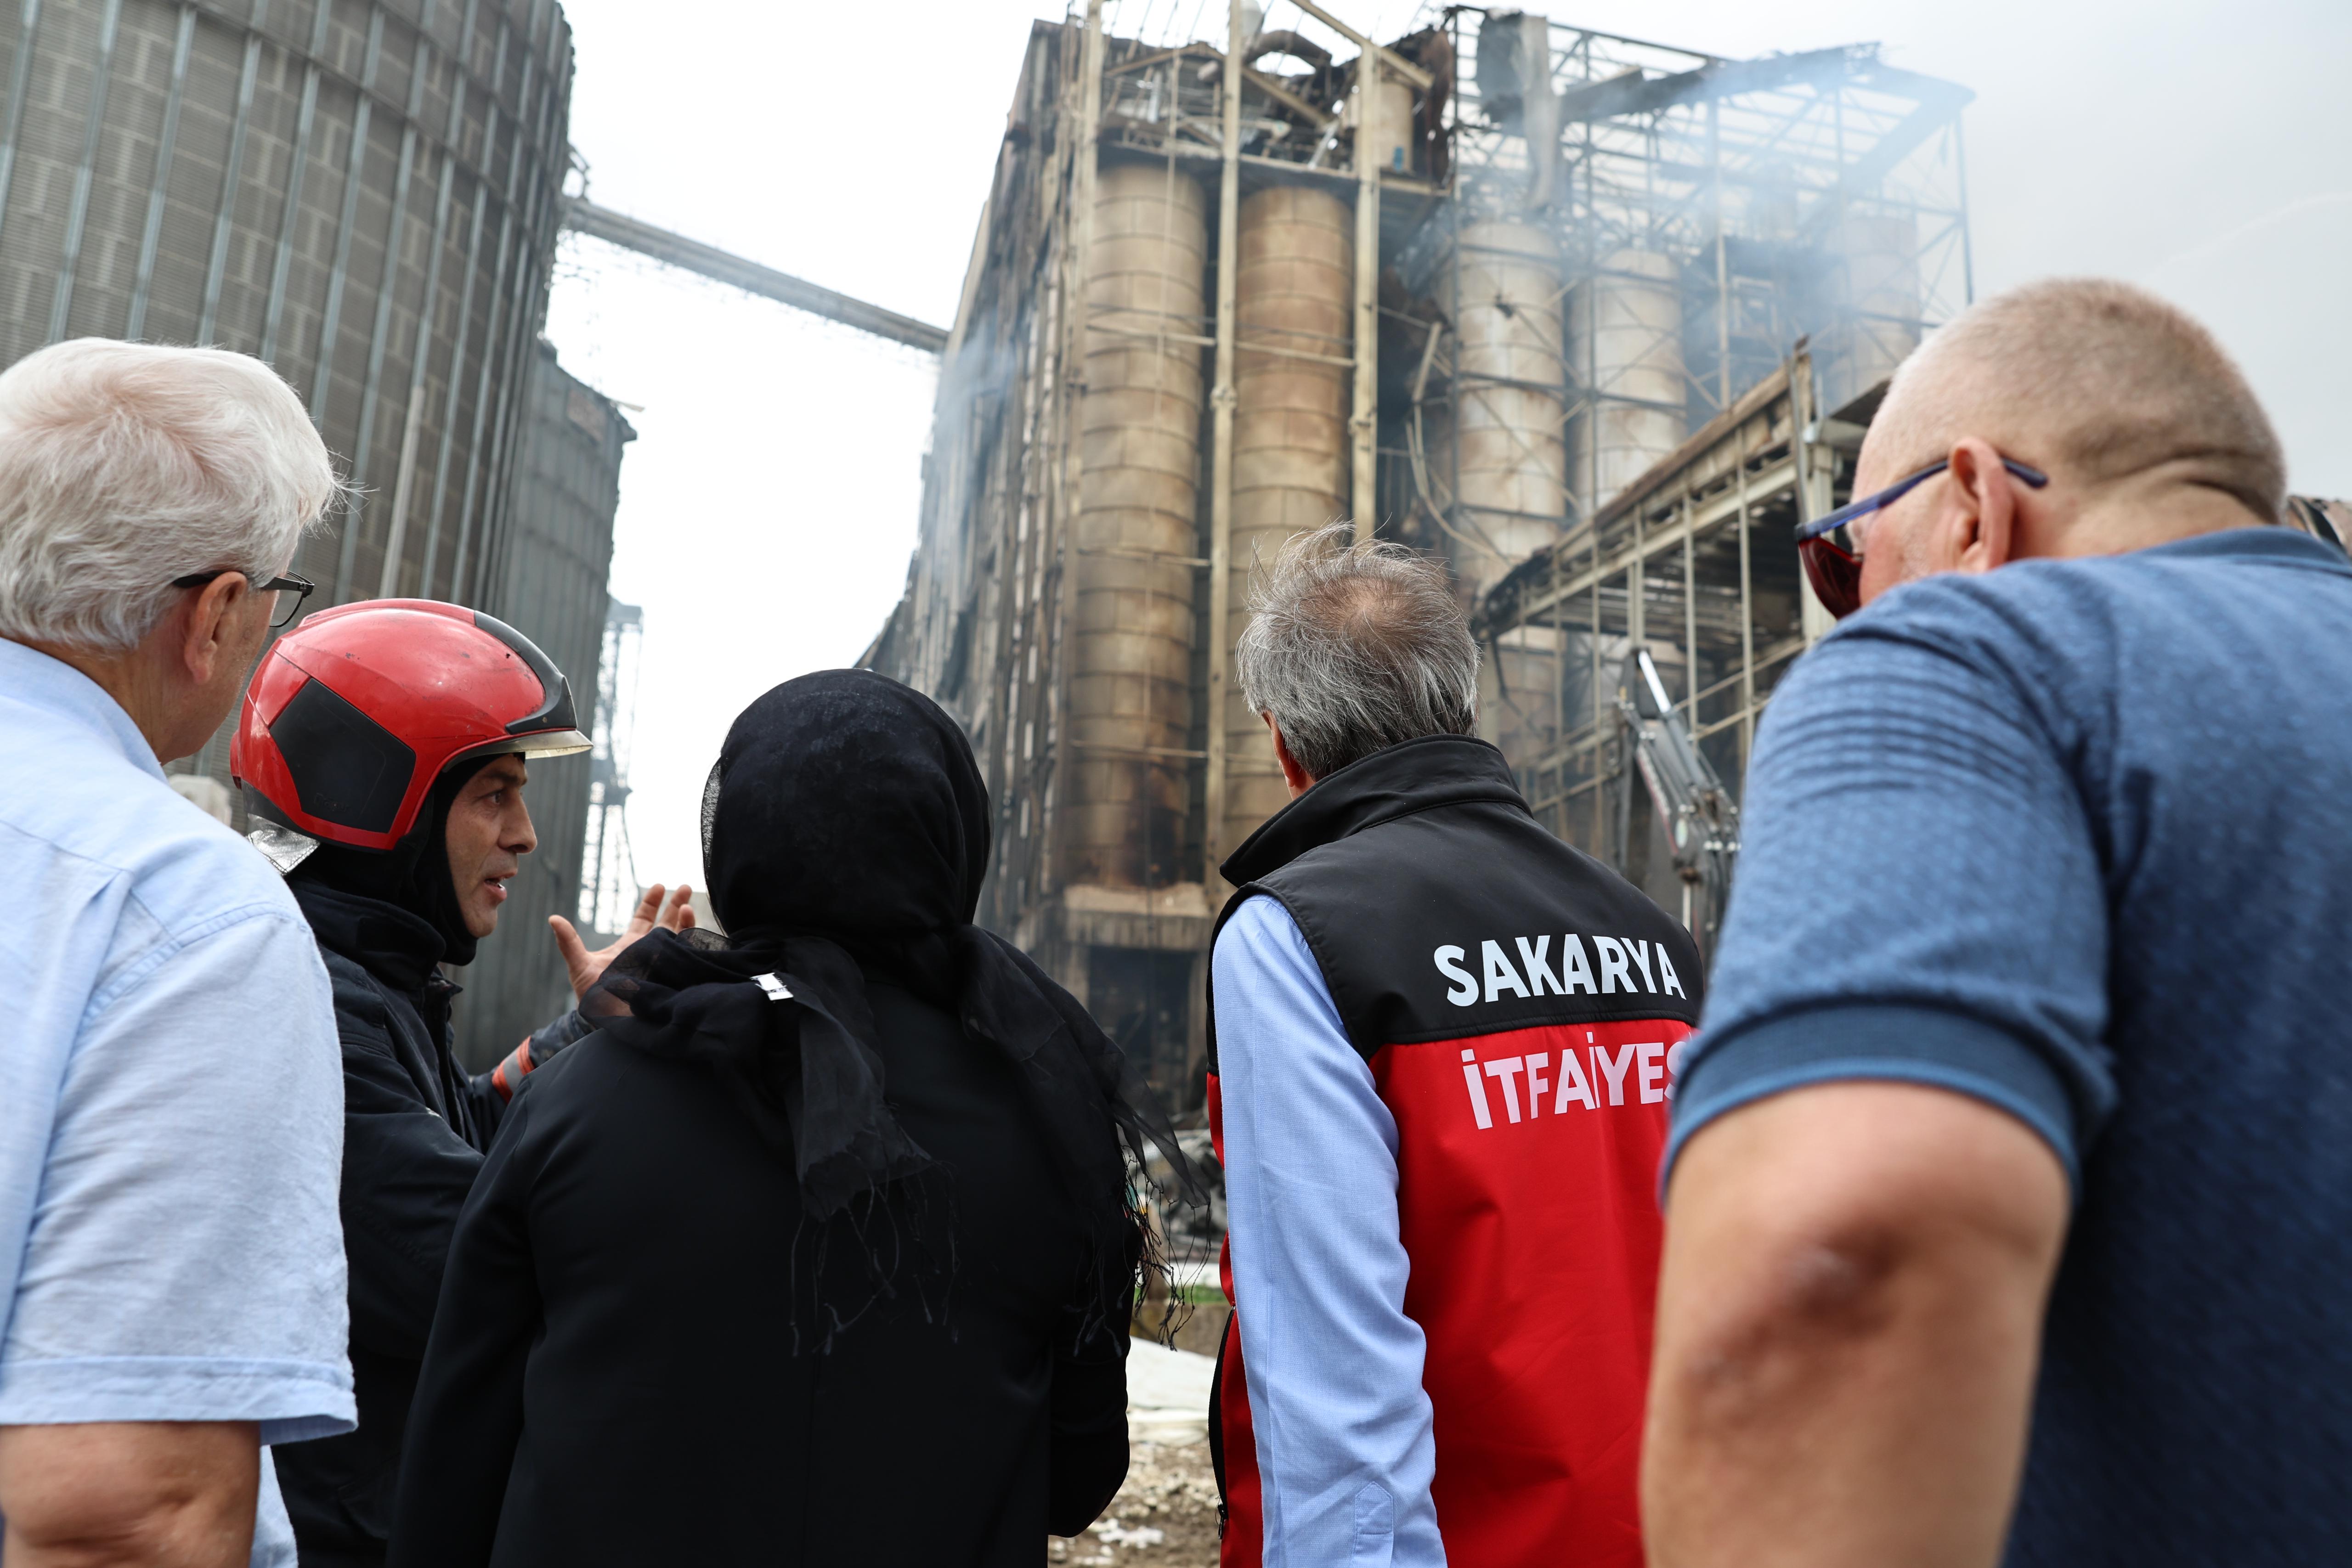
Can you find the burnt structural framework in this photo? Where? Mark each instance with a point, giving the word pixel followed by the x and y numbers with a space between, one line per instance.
pixel 1592 320
pixel 364 192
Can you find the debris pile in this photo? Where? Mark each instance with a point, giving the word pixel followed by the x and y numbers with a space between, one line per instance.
pixel 1164 1517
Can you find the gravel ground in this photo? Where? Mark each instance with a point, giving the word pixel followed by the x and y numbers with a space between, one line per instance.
pixel 1164 1517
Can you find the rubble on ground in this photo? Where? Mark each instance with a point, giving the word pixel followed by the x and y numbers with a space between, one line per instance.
pixel 1164 1517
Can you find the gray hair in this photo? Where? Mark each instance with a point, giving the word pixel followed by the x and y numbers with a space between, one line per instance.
pixel 123 465
pixel 1353 647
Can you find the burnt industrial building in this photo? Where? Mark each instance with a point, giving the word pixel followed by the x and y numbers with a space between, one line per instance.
pixel 1594 318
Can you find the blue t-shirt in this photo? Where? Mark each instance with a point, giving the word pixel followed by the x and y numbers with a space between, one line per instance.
pixel 171 1101
pixel 2075 838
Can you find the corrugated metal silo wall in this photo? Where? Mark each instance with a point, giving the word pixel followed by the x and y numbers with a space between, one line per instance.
pixel 547 581
pixel 363 192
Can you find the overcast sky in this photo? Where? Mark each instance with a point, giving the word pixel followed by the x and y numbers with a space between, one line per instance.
pixel 768 506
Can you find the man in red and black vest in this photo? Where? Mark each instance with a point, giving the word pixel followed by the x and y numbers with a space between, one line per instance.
pixel 1442 1042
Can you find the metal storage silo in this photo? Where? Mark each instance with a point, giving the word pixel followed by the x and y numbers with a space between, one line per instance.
pixel 1137 531
pixel 1502 284
pixel 547 581
pixel 1625 340
pixel 1882 328
pixel 363 192
pixel 1294 294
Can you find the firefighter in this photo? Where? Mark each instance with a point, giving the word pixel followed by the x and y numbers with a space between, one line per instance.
pixel 384 747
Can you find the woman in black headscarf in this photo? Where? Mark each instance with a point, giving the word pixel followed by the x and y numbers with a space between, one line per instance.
pixel 821 1250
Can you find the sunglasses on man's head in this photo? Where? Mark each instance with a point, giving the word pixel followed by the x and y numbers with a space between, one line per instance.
pixel 1831 544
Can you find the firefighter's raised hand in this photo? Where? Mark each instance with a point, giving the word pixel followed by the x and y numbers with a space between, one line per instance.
pixel 587 966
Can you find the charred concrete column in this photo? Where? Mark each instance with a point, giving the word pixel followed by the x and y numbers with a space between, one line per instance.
pixel 1137 530
pixel 1294 294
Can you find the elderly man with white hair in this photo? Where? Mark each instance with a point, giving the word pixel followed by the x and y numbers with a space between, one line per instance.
pixel 171 1261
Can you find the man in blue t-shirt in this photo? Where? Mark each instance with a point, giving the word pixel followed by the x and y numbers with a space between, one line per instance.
pixel 2009 1198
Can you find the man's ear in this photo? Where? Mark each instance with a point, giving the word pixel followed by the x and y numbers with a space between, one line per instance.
pixel 1297 778
pixel 1983 513
pixel 202 626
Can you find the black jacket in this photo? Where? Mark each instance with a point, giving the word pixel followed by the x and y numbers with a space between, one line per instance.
pixel 1521 1009
pixel 415 1129
pixel 612 1379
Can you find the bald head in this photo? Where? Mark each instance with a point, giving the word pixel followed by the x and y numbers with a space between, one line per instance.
pixel 2096 380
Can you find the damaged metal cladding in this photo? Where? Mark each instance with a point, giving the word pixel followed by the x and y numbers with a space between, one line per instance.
pixel 1294 294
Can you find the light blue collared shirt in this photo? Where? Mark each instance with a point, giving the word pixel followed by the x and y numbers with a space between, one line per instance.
pixel 1346 1449
pixel 170 1101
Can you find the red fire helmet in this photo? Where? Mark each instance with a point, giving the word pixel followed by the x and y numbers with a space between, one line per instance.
pixel 356 711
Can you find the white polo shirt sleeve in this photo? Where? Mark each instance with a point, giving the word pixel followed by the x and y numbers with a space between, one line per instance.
pixel 185 1256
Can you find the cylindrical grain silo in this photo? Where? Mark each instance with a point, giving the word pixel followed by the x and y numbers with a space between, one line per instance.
pixel 1881 265
pixel 1625 343
pixel 1502 287
pixel 1137 530
pixel 363 192
pixel 1294 299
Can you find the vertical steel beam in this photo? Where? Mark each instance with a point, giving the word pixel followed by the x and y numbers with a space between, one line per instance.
pixel 1085 154
pixel 331 326
pixel 20 82
pixel 150 239
pixel 1593 576
pixel 1722 264
pixel 61 302
pixel 1363 423
pixel 1637 583
pixel 1814 482
pixel 1222 398
pixel 1690 616
pixel 306 120
pixel 224 222
pixel 1747 619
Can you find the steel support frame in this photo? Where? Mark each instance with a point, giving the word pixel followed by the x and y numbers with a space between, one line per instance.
pixel 1755 457
pixel 1077 265
pixel 1222 398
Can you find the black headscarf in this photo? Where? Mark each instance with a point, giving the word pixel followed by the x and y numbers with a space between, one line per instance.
pixel 844 832
pixel 414 874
